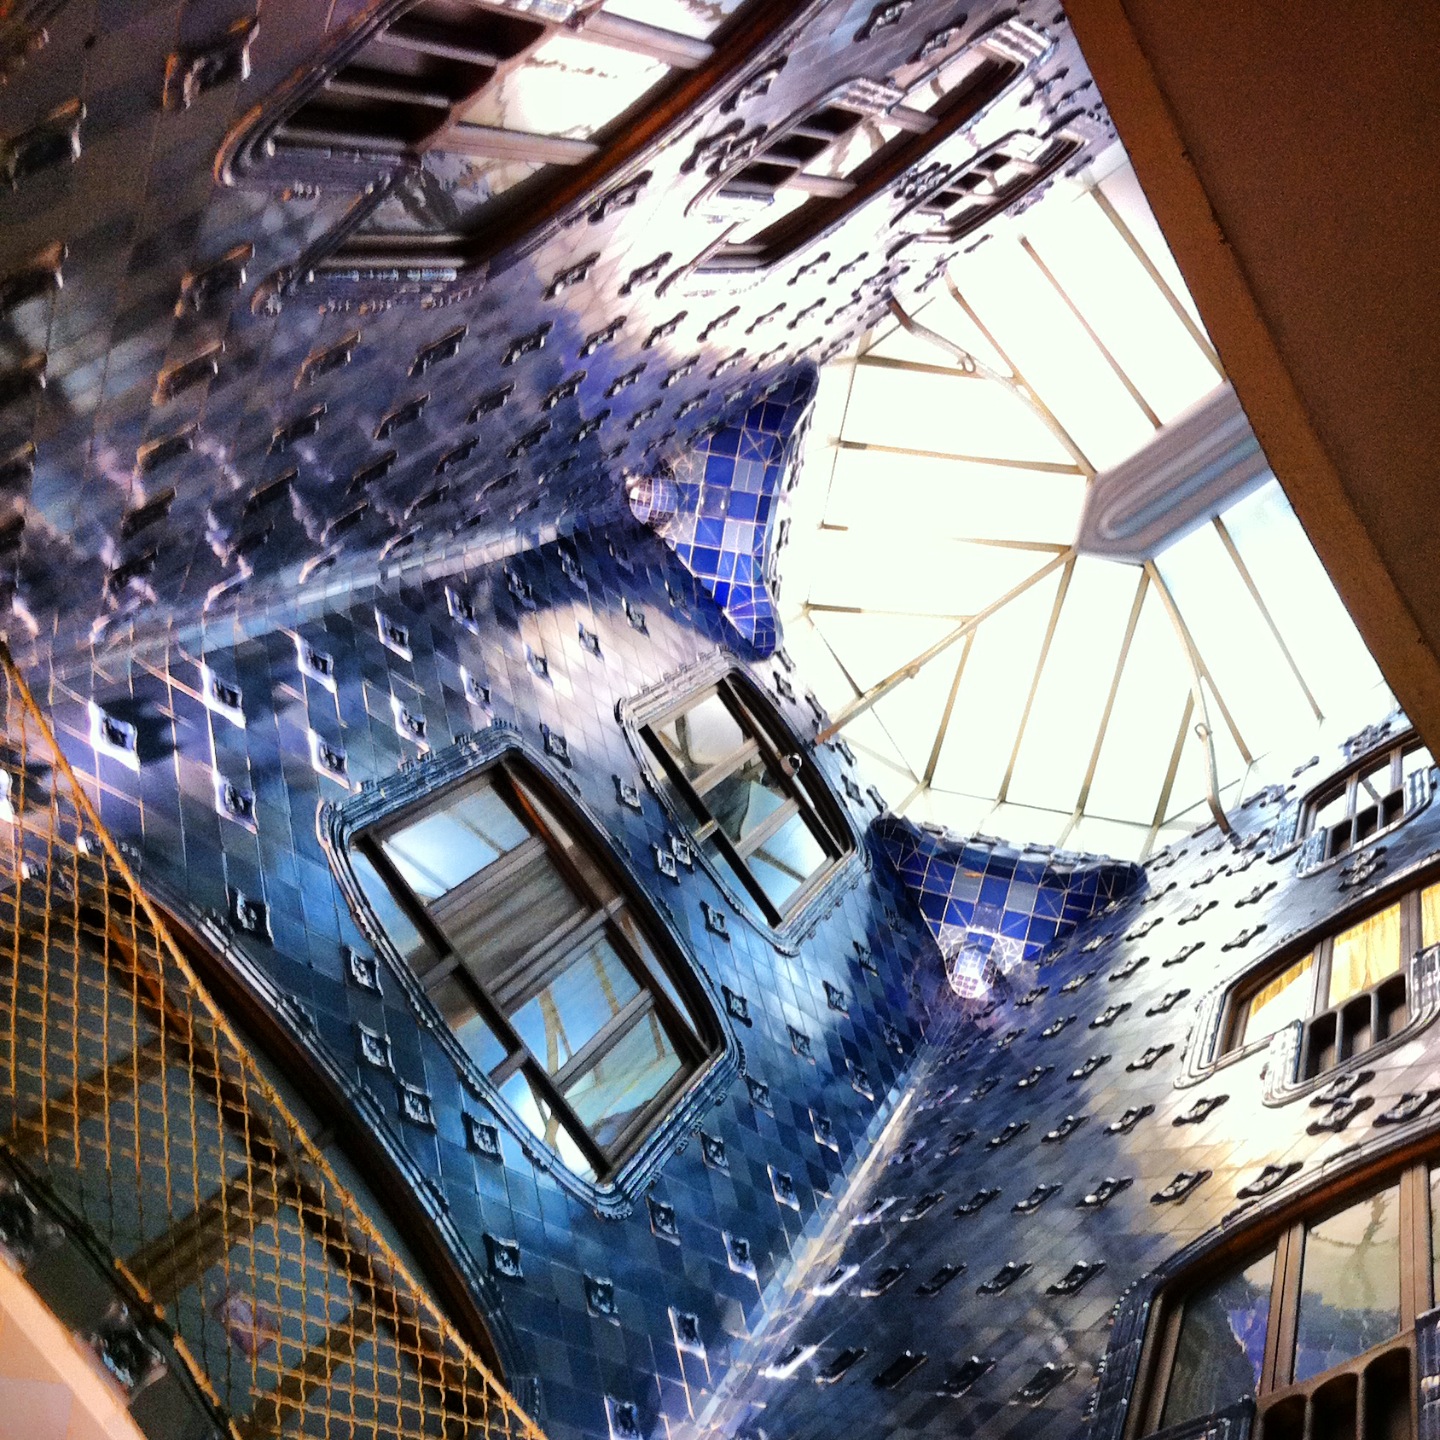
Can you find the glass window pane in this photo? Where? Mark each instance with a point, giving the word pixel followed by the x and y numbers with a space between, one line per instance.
pixel 697 18
pixel 538 1119
pixel 1222 1343
pixel 1373 784
pixel 446 847
pixel 576 1005
pixel 746 797
pixel 1415 760
pixel 1364 955
pixel 787 859
pixel 596 881
pixel 630 927
pixel 397 924
pixel 853 149
pixel 1285 998
pixel 704 735
pixel 612 1093
pixel 568 86
pixel 477 1039
pixel 492 930
pixel 1332 812
pixel 721 862
pixel 1430 915
pixel 1349 1284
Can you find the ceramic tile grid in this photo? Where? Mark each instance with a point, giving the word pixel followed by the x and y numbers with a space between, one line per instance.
pixel 721 511
pixel 1079 1104
pixel 993 907
pixel 830 1029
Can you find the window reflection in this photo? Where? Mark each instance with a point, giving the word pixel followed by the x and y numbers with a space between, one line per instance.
pixel 1222 1343
pixel 1349 1284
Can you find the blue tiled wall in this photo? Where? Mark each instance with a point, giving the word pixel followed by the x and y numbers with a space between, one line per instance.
pixel 830 1024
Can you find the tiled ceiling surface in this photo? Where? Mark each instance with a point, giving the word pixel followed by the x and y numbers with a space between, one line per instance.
pixel 930 495
pixel 228 413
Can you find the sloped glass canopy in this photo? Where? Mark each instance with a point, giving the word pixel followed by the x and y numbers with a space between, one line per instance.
pixel 943 496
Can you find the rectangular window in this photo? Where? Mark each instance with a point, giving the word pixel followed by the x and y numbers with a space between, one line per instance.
pixel 759 817
pixel 536 959
pixel 1351 991
pixel 1318 1331
pixel 1371 798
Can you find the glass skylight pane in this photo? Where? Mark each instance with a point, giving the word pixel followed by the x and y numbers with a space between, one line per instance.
pixel 1123 305
pixel 1052 351
pixel 1064 719
pixel 932 576
pixel 965 814
pixel 1307 611
pixel 698 19
pixel 1108 837
pixel 912 712
pixel 1122 190
pixel 992 693
pixel 1188 795
pixel 882 494
pixel 1024 825
pixel 568 86
pixel 1235 642
pixel 948 416
pixel 1140 738
pixel 872 646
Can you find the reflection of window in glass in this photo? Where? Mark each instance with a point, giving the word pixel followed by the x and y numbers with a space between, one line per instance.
pixel 1349 1284
pixel 1351 990
pixel 538 962
pixel 1371 798
pixel 755 812
pixel 1318 1331
pixel 1221 1347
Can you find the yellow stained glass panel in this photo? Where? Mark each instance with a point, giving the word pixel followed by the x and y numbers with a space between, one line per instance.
pixel 1430 915
pixel 1364 955
pixel 1285 998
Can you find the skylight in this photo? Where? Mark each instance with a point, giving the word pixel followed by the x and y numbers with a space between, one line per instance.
pixel 946 479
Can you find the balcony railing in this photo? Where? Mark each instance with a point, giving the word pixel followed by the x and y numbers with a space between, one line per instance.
pixel 127 1098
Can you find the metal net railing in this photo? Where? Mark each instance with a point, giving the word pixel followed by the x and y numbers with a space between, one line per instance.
pixel 126 1091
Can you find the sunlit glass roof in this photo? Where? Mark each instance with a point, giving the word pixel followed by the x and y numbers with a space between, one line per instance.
pixel 943 497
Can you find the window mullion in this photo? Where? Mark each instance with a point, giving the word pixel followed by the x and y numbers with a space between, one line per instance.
pixel 561 1108
pixel 604 1039
pixel 748 844
pixel 708 779
pixel 1285 1324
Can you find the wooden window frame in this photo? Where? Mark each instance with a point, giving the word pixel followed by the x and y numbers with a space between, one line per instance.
pixel 1232 1036
pixel 812 800
pixel 1348 785
pixel 829 202
pixel 1286 1234
pixel 550 956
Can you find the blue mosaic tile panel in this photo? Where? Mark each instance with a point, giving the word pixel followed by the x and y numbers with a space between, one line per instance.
pixel 719 507
pixel 992 906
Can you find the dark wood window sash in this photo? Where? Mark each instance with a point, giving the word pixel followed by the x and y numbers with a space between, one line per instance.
pixel 545 959
pixel 1277 1367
